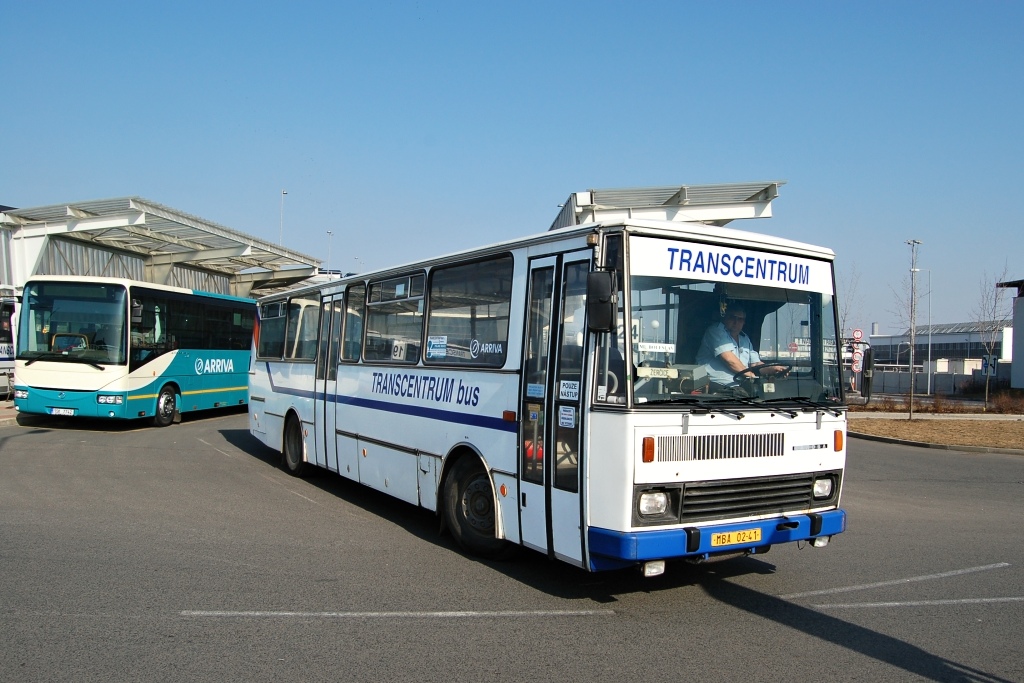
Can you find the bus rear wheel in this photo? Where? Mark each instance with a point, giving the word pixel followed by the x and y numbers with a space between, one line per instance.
pixel 292 450
pixel 166 404
pixel 469 510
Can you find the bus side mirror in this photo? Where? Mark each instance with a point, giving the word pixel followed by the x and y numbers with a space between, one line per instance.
pixel 601 309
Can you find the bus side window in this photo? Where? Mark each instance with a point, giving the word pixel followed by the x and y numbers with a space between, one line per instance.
pixel 355 300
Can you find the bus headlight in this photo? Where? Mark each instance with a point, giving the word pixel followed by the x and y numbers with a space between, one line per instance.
pixel 653 503
pixel 107 399
pixel 822 487
pixel 21 393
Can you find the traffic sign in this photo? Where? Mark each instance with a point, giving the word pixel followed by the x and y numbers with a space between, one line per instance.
pixel 858 334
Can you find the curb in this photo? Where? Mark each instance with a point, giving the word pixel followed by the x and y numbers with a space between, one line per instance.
pixel 939 446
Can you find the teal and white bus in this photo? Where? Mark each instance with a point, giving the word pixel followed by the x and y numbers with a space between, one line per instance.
pixel 116 348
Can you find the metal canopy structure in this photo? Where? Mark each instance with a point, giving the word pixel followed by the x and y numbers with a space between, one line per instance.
pixel 1014 284
pixel 165 238
pixel 710 204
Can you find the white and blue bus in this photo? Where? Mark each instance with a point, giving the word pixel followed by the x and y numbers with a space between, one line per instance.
pixel 116 348
pixel 556 392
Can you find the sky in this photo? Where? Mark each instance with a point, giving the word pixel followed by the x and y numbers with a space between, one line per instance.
pixel 414 129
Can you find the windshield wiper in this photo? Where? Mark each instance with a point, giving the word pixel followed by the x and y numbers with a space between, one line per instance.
pixel 805 401
pixel 705 403
pixel 63 358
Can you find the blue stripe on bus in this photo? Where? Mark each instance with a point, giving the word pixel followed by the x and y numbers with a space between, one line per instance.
pixel 483 421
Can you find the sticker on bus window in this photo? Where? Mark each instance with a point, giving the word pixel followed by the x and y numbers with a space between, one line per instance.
pixel 568 391
pixel 656 348
pixel 535 390
pixel 566 416
pixel 437 347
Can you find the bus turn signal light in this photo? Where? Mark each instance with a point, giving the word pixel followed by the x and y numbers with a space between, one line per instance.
pixel 648 449
pixel 838 440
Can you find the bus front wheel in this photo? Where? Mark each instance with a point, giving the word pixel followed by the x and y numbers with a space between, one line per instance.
pixel 469 510
pixel 292 455
pixel 166 404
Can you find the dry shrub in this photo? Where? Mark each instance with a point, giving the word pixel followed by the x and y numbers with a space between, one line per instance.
pixel 942 404
pixel 1008 402
pixel 887 404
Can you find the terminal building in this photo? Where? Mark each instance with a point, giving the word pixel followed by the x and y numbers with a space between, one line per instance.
pixel 136 238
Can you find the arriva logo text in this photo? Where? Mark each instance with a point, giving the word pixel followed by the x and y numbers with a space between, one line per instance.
pixel 214 365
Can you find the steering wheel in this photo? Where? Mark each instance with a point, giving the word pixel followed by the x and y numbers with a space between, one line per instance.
pixel 759 370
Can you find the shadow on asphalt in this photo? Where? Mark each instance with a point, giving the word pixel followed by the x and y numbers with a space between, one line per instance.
pixel 715 579
pixel 96 424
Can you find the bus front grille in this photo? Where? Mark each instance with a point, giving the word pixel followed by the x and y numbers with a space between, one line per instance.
pixel 742 497
pixel 719 447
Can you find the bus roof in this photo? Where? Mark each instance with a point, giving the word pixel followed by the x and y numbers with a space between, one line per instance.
pixel 698 232
pixel 125 282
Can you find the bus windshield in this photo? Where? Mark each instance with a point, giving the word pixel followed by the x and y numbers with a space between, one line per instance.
pixel 73 321
pixel 704 341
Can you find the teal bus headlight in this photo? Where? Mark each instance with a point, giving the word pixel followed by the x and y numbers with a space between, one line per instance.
pixel 21 393
pixel 110 399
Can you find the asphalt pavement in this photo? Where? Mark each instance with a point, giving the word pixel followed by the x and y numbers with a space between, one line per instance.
pixel 8 415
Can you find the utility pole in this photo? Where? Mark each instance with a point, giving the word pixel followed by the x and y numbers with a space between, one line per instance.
pixel 280 235
pixel 913 315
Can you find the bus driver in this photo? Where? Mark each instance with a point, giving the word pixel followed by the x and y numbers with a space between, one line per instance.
pixel 726 350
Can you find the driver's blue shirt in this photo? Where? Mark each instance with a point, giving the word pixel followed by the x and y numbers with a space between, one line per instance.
pixel 716 341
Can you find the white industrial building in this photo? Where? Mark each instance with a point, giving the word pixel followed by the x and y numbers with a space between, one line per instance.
pixel 950 342
pixel 1017 370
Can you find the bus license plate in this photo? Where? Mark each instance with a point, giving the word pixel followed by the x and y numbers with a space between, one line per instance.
pixel 62 411
pixel 735 537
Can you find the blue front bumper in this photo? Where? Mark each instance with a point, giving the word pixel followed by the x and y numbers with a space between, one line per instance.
pixel 616 549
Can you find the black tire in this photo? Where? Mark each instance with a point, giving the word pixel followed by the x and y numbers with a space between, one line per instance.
pixel 291 451
pixel 469 510
pixel 166 405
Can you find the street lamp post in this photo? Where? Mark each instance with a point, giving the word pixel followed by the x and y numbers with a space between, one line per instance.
pixel 280 234
pixel 914 244
pixel 330 234
pixel 928 390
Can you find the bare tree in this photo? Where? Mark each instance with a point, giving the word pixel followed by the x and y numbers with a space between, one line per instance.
pixel 848 296
pixel 991 315
pixel 900 303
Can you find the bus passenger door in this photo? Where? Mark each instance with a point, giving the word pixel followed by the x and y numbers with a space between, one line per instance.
pixel 550 508
pixel 331 311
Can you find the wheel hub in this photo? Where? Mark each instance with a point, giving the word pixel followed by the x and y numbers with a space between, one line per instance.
pixel 477 506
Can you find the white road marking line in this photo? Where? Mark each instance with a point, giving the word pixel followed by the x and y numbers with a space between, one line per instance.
pixel 920 603
pixel 214 447
pixel 291 491
pixel 398 615
pixel 896 582
pixel 302 496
